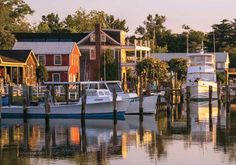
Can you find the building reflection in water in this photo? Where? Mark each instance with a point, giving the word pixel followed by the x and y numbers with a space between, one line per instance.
pixel 101 142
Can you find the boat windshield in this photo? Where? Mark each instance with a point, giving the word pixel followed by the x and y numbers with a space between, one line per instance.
pixel 115 85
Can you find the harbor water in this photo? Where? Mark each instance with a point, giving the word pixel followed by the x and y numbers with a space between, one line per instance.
pixel 156 140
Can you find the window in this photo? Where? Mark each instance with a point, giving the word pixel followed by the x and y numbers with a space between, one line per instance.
pixel 42 59
pixel 92 38
pixel 57 60
pixel 92 54
pixel 103 38
pixel 56 77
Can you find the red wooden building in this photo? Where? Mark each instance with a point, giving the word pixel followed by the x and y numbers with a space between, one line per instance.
pixel 60 58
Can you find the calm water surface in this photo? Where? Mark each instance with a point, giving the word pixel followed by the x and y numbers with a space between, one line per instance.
pixel 156 140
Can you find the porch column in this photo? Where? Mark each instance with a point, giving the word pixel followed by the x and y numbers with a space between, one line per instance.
pixel 11 75
pixel 149 53
pixel 5 73
pixel 141 55
pixel 17 75
pixel 145 54
pixel 135 55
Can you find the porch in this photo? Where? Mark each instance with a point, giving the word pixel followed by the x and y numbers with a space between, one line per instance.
pixel 12 74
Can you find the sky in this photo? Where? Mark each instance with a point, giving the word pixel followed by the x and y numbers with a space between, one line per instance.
pixel 198 14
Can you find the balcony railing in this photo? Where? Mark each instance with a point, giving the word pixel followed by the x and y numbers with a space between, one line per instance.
pixel 232 70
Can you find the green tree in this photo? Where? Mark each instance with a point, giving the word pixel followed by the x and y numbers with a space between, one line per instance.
pixel 85 21
pixel 41 73
pixel 220 77
pixel 12 19
pixel 51 23
pixel 152 69
pixel 108 61
pixel 152 29
pixel 179 66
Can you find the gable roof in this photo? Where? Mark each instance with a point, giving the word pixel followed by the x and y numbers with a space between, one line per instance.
pixel 50 37
pixel 14 56
pixel 219 56
pixel 46 47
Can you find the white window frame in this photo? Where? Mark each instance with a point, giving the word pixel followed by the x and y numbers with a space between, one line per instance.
pixel 56 74
pixel 43 57
pixel 90 53
pixel 55 59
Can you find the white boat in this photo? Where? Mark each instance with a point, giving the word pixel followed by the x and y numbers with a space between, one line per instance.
pixel 99 104
pixel 201 74
pixel 149 102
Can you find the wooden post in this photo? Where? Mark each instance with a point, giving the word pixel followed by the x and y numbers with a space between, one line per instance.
pixel 47 104
pixel 67 93
pixel 188 94
pixel 114 105
pixel 227 98
pixel 78 92
pixel 219 94
pixel 30 94
pixel 53 93
pixel 83 104
pixel 25 105
pixel 141 99
pixel 168 103
pixel 210 107
pixel 10 94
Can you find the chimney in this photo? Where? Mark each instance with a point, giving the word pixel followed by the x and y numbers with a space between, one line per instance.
pixel 98 47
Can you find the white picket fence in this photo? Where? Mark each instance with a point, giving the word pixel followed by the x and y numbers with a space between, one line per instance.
pixel 39 91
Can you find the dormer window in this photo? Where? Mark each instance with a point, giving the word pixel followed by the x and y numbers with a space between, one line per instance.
pixel 92 37
pixel 103 38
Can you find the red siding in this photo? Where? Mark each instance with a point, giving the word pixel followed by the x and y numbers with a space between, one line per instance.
pixel 63 75
pixel 50 60
pixel 75 63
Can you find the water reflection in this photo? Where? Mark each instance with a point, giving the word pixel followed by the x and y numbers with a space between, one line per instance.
pixel 210 139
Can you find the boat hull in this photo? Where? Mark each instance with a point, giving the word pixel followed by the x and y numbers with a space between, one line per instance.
pixel 149 105
pixel 199 91
pixel 99 110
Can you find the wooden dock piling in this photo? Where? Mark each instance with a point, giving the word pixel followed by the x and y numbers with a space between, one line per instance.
pixel 53 93
pixel 141 99
pixel 47 104
pixel 114 105
pixel 83 110
pixel 30 91
pixel 188 94
pixel 219 94
pixel 25 100
pixel 210 107
pixel 227 98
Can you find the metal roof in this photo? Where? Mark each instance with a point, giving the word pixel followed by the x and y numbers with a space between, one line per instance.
pixel 46 47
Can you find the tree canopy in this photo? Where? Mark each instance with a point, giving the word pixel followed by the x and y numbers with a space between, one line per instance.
pixel 12 19
pixel 80 21
pixel 179 66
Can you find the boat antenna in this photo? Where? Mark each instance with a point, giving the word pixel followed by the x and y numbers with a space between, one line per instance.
pixel 202 49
